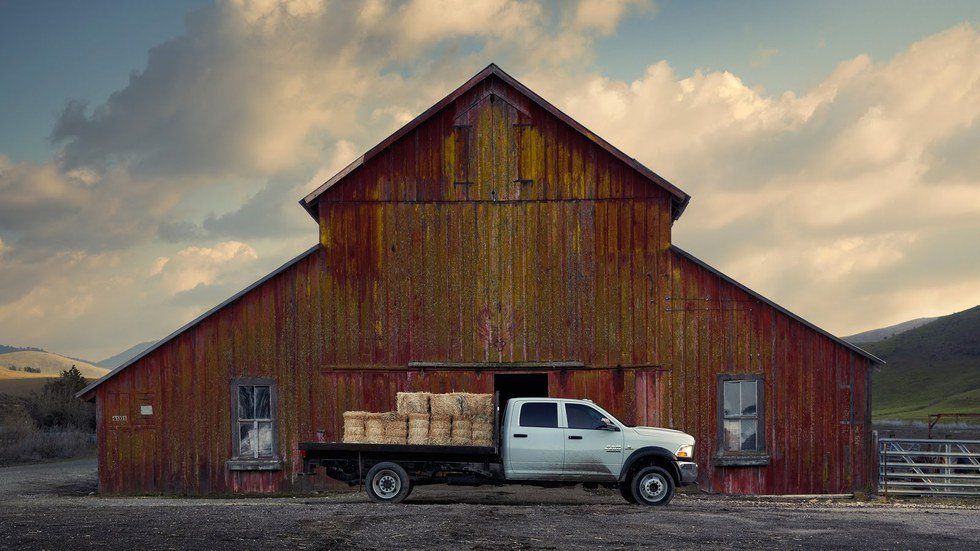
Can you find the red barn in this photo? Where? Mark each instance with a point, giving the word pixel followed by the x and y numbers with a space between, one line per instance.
pixel 493 243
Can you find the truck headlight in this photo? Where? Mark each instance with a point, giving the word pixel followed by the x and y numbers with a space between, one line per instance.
pixel 686 451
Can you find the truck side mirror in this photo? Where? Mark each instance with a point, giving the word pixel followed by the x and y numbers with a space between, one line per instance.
pixel 608 425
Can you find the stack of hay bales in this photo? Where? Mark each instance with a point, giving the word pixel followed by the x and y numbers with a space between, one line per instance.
pixel 457 418
pixel 373 429
pixel 440 427
pixel 354 426
pixel 394 428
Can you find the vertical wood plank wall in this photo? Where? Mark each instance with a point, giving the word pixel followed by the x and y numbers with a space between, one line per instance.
pixel 492 233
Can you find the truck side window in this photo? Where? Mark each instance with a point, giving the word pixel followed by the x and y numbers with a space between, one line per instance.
pixel 540 414
pixel 583 417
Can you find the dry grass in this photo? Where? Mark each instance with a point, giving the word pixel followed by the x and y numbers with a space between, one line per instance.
pixel 354 426
pixel 477 406
pixel 412 402
pixel 394 427
pixel 446 404
pixel 25 446
pixel 462 432
pixel 418 428
pixel 440 429
pixel 373 428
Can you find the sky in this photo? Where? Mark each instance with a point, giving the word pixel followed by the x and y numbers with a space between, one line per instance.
pixel 152 153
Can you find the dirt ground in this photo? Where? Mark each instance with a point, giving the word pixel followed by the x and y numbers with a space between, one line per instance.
pixel 53 506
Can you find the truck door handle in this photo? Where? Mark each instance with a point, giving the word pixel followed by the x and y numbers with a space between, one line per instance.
pixel 520 436
pixel 574 437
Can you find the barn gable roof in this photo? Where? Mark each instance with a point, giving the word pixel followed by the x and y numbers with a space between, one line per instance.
pixel 857 350
pixel 680 198
pixel 86 393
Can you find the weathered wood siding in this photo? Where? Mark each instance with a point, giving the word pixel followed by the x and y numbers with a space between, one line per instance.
pixel 817 424
pixel 493 233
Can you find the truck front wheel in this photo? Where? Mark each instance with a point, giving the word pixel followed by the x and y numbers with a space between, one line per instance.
pixel 652 486
pixel 387 482
pixel 626 490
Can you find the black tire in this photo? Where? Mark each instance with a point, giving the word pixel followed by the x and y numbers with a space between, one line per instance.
pixel 387 482
pixel 626 491
pixel 652 486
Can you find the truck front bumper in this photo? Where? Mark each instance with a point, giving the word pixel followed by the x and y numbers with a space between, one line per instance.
pixel 689 472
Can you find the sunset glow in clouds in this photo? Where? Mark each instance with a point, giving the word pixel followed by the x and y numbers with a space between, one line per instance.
pixel 850 195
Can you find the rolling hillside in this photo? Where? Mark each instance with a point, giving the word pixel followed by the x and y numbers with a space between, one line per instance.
pixel 124 356
pixel 49 363
pixel 876 335
pixel 932 368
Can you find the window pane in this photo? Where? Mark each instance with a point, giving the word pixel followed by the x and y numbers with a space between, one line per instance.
pixel 539 415
pixel 245 406
pixel 732 435
pixel 265 439
pixel 731 398
pixel 262 403
pixel 246 439
pixel 749 395
pixel 583 417
pixel 749 439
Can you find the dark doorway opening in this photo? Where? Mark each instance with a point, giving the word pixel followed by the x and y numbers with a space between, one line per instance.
pixel 520 385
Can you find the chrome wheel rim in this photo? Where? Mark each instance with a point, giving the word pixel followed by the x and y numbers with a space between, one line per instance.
pixel 653 487
pixel 386 484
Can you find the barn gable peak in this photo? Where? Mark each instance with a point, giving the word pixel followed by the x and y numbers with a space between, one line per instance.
pixel 679 198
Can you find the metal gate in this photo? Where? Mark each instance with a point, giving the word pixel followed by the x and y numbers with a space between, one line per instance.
pixel 922 467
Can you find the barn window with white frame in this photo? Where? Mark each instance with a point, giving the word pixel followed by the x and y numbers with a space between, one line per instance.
pixel 255 420
pixel 741 414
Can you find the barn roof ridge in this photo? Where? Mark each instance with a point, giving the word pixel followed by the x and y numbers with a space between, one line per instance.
pixel 680 198
pixel 197 320
pixel 728 279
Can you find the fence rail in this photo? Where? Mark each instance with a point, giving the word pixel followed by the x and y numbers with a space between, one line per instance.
pixel 926 467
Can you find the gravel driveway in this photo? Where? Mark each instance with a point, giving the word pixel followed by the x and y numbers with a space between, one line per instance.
pixel 49 506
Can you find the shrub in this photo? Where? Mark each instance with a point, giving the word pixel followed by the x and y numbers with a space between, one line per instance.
pixel 57 406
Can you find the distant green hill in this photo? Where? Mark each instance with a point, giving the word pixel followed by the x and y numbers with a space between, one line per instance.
pixel 931 369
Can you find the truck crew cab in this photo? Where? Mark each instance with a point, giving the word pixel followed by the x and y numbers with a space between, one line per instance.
pixel 540 441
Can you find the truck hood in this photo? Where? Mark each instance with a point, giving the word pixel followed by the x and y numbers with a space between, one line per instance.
pixel 656 436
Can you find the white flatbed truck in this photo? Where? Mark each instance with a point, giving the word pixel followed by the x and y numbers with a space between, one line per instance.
pixel 540 441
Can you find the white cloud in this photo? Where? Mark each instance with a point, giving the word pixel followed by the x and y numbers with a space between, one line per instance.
pixel 811 197
pixel 181 188
pixel 605 15
pixel 194 266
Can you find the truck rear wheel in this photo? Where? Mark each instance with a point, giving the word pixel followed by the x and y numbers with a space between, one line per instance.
pixel 387 482
pixel 652 486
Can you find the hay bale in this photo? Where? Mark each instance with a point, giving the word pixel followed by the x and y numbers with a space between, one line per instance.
pixel 477 406
pixel 440 430
pixel 482 432
pixel 462 432
pixel 418 428
pixel 482 425
pixel 412 402
pixel 394 427
pixel 354 426
pixel 446 404
pixel 373 428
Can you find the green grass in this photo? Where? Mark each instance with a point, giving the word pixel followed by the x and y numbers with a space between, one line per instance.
pixel 931 369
